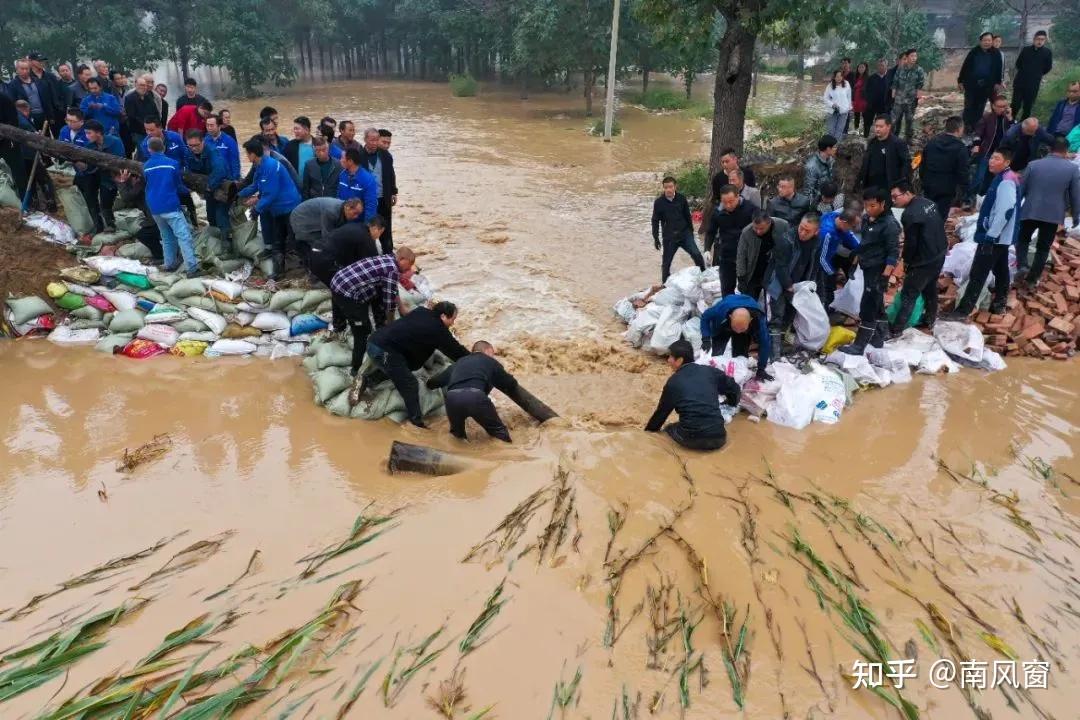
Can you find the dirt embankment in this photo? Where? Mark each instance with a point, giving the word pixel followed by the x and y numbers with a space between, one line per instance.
pixel 26 261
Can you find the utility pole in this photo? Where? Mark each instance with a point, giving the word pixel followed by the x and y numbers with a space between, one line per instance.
pixel 609 105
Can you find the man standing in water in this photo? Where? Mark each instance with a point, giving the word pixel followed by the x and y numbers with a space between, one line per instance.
pixel 671 218
pixel 693 391
pixel 468 383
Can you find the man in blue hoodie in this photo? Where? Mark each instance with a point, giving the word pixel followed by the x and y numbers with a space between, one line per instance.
pixel 838 242
pixel 204 159
pixel 274 195
pixel 357 182
pixel 164 188
pixel 736 318
pixel 101 106
pixel 96 185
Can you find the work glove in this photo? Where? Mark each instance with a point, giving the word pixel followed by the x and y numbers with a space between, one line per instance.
pixel 706 344
pixel 762 375
pixel 656 243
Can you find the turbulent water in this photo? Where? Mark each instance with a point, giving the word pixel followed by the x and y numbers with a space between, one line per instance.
pixel 534 229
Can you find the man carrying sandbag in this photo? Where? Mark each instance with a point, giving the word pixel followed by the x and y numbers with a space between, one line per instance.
pixel 468 383
pixel 736 318
pixel 877 253
pixel 693 391
pixel 399 349
pixel 925 245
pixel 313 220
pixel 792 262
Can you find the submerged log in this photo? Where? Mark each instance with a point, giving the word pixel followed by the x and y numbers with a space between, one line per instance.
pixel 532 405
pixel 74 153
pixel 405 457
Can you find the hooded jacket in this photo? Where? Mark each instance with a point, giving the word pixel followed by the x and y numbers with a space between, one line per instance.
pixel 997 216
pixel 944 167
pixel 831 239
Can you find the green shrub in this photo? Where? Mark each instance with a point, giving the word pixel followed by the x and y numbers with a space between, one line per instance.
pixel 1053 88
pixel 463 85
pixel 660 99
pixel 692 178
pixel 803 125
pixel 597 128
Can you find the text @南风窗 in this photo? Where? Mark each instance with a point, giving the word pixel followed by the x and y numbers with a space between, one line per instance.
pixel 945 673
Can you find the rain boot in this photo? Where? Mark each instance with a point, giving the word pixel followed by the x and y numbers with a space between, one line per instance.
pixel 776 339
pixel 907 306
pixel 861 339
pixel 881 334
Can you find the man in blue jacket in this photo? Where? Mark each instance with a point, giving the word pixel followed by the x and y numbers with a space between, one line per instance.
pixel 164 188
pixel 175 147
pixel 736 318
pixel 355 181
pixel 101 106
pixel 1066 113
pixel 96 185
pixel 224 144
pixel 204 159
pixel 273 194
pixel 1025 140
pixel 836 247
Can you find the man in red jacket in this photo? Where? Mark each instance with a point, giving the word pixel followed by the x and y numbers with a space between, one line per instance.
pixel 191 117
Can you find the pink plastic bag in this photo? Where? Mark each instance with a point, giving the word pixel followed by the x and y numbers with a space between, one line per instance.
pixel 100 303
pixel 141 349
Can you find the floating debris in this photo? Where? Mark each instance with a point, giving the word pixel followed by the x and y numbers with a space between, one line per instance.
pixel 494 604
pixel 358 537
pixel 146 452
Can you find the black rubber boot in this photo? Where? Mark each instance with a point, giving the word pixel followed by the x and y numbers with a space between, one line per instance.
pixel 776 339
pixel 907 306
pixel 862 337
pixel 881 334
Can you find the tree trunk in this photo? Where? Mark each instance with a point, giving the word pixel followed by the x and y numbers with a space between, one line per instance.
pixel 645 79
pixel 524 95
pixel 589 79
pixel 688 82
pixel 1025 15
pixel 802 63
pixel 734 70
pixel 75 153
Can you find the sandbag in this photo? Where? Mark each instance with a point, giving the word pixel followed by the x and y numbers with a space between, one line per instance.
pixel 314 298
pixel 120 299
pixel 56 290
pixel 282 299
pixel 811 320
pixel 796 402
pixel 643 324
pixel 216 323
pixel 691 332
pixel 168 314
pixel 70 301
pixel 232 330
pixel 668 329
pixel 848 298
pixel 75 210
pixel 164 335
pixel 66 335
pixel 306 324
pixel 86 312
pixel 165 281
pixel 102 303
pixel 135 251
pixel 187 287
pixel 624 310
pixel 83 275
pixel 152 295
pixel 140 349
pixel 113 265
pixel 78 289
pixel 832 395
pixel 25 309
pixel 126 321
pixel 191 325
pixel 198 336
pixel 270 321
pixel 231 290
pixel 86 325
pixel 230 347
pixel 257 297
pixel 333 354
pixel 128 221
pixel 244 318
pixel 8 195
pixel 329 383
pixel 208 245
pixel 838 335
pixel 961 341
pixel 246 240
pixel 189 348
pixel 113 343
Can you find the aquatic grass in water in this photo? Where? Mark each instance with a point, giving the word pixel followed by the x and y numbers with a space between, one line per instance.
pixel 187 558
pixel 396 680
pixel 492 606
pixel 358 537
pixel 145 453
pixel 463 85
pixel 564 694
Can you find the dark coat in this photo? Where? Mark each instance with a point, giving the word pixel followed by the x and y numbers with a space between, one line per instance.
pixel 897 160
pixel 312 184
pixel 389 176
pixel 1031 65
pixel 877 93
pixel 967 76
pixel 140 109
pixel 944 167
pixel 924 234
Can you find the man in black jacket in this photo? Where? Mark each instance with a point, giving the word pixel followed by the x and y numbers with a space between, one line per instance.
pixel 191 95
pixel 319 177
pixel 1033 62
pixel 886 160
pixel 140 106
pixel 10 151
pixel 981 71
pixel 671 217
pixel 877 92
pixel 37 93
pixel 405 345
pixel 877 255
pixel 58 90
pixel 380 163
pixel 925 246
pixel 693 391
pixel 944 168
pixel 468 383
pixel 340 248
pixel 731 215
pixel 792 262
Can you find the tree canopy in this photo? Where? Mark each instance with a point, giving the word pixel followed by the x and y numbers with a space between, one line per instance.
pixel 878 29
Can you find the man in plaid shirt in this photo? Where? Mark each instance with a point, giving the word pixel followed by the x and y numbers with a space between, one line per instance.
pixel 369 286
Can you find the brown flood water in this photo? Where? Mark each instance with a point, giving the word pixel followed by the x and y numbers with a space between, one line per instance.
pixel 253 455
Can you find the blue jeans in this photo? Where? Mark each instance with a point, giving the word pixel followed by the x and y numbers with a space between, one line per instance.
pixel 176 231
pixel 979 182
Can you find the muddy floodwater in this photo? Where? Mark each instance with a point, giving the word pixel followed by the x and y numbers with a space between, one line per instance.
pixel 937 520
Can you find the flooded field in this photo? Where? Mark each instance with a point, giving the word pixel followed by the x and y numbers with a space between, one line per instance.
pixel 587 571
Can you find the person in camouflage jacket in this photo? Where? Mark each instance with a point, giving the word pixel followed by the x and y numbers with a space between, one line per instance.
pixel 909 80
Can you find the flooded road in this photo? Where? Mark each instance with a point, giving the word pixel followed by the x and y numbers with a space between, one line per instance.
pixel 623 560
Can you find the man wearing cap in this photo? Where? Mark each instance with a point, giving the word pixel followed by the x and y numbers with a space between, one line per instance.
pixel 59 94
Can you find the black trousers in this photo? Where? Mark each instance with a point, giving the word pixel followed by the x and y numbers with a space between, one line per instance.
pixel 1023 99
pixel 323 267
pixel 672 246
pixel 740 343
pixel 13 158
pixel 782 313
pixel 150 236
pixel 275 231
pixel 919 281
pixel 387 239
pixel 465 403
pixel 1046 231
pixel 826 284
pixel 943 201
pixel 988 258
pixel 358 315
pixel 975 99
pixel 395 367
pixel 872 304
pixel 99 197
pixel 867 120
pixel 694 442
pixel 728 278
pixel 39 177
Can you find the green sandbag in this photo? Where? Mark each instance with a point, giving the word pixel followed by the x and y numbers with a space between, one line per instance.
pixel 8 195
pixel 208 245
pixel 109 342
pixel 107 318
pixel 128 221
pixel 284 298
pixel 126 321
pixel 165 281
pixel 190 325
pixel 135 251
pixel 87 325
pixel 25 309
pixel 204 303
pixel 153 296
pixel 311 364
pixel 313 299
pixel 916 314
pixel 75 210
pixel 87 312
pixel 324 308
pixel 255 296
pixel 133 280
pixel 329 383
pixel 333 355
pixel 246 240
pixel 187 287
pixel 224 267
pixel 70 301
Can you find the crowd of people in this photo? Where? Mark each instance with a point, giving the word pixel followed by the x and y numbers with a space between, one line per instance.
pixel 325 196
pixel 1025 174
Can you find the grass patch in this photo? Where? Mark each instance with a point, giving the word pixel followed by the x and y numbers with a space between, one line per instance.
pixel 692 178
pixel 597 128
pixel 660 99
pixel 803 126
pixel 1054 87
pixel 463 85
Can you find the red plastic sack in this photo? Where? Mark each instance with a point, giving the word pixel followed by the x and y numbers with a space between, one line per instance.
pixel 141 349
pixel 100 303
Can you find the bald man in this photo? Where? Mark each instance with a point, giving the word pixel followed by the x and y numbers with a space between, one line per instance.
pixel 737 318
